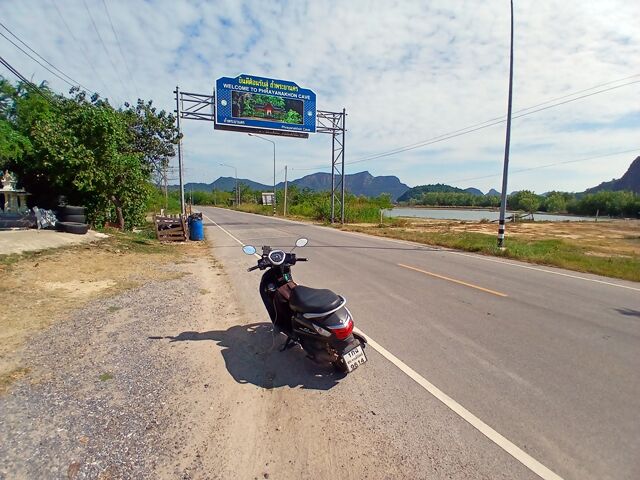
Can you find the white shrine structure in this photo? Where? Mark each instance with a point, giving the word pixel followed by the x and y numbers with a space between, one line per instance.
pixel 14 200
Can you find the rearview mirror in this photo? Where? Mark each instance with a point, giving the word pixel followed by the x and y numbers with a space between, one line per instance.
pixel 249 249
pixel 301 242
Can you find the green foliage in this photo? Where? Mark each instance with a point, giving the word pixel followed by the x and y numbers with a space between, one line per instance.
pixel 415 193
pixel 13 145
pixel 556 202
pixel 86 150
pixel 607 203
pixel 524 200
pixel 156 201
pixel 458 199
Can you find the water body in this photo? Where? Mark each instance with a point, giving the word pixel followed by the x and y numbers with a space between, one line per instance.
pixel 474 215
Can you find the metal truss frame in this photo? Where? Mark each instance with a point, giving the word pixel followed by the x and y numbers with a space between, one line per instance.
pixel 198 106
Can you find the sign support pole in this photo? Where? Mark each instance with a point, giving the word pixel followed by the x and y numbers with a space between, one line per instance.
pixel 344 121
pixel 180 169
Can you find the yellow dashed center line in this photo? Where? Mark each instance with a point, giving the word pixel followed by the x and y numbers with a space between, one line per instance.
pixel 459 282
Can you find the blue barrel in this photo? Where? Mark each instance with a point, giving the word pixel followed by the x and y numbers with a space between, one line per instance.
pixel 196 229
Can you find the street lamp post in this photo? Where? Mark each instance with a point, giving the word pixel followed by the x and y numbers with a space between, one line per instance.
pixel 274 166
pixel 236 173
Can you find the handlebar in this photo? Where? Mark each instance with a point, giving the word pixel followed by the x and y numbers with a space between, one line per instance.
pixel 264 263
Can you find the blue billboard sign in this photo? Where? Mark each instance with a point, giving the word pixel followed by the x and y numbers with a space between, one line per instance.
pixel 250 102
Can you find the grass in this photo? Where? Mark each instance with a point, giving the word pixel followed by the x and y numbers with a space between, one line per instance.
pixel 105 376
pixel 255 208
pixel 552 252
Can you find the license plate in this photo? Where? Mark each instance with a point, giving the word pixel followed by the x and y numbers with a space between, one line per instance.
pixel 354 358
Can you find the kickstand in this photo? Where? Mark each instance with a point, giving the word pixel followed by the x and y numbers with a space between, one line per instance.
pixel 288 344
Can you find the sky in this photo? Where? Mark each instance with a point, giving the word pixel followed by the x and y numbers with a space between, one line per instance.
pixel 406 72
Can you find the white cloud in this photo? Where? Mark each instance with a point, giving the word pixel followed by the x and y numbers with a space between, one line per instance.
pixel 405 72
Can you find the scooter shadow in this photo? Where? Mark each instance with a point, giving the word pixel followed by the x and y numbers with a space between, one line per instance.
pixel 252 355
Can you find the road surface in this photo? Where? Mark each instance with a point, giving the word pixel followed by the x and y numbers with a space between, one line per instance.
pixel 482 367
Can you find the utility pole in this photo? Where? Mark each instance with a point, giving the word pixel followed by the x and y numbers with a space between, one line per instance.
pixel 274 167
pixel 165 180
pixel 180 173
pixel 236 173
pixel 505 170
pixel 285 191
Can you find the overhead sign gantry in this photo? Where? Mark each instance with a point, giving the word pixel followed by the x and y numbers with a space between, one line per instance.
pixel 259 105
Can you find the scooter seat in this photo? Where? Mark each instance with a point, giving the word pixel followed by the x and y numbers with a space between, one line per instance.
pixel 313 300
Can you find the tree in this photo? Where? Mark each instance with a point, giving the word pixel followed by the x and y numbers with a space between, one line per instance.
pixel 13 145
pixel 154 135
pixel 84 149
pixel 524 200
pixel 555 202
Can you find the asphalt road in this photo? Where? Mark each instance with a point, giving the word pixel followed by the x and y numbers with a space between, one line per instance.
pixel 547 358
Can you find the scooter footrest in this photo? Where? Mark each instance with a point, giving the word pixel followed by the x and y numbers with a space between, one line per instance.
pixel 288 344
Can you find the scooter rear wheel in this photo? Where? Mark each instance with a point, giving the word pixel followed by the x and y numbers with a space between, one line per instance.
pixel 340 366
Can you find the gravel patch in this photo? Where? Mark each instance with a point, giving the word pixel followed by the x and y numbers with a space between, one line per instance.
pixel 97 401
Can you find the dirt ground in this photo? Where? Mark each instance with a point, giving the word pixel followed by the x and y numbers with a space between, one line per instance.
pixel 41 286
pixel 120 364
pixel 609 237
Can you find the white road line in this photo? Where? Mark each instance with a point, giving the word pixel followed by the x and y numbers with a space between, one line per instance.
pixel 527 460
pixel 516 452
pixel 494 260
pixel 227 232
pixel 477 257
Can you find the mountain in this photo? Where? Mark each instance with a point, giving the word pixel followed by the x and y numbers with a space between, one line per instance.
pixel 629 181
pixel 493 192
pixel 473 191
pixel 362 183
pixel 415 192
pixel 223 183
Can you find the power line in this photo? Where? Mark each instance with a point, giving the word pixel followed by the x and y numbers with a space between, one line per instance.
pixel 120 48
pixel 35 60
pixel 490 123
pixel 464 131
pixel 544 166
pixel 95 28
pixel 41 57
pixel 24 80
pixel 83 49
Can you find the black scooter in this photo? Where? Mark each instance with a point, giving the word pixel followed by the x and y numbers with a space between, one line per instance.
pixel 315 319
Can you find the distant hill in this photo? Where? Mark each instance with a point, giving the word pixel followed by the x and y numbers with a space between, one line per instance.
pixel 415 192
pixel 222 183
pixel 473 191
pixel 493 192
pixel 629 181
pixel 362 183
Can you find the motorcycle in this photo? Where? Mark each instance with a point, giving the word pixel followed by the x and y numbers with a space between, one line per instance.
pixel 316 319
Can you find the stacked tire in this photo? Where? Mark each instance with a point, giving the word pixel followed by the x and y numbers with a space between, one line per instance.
pixel 72 220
